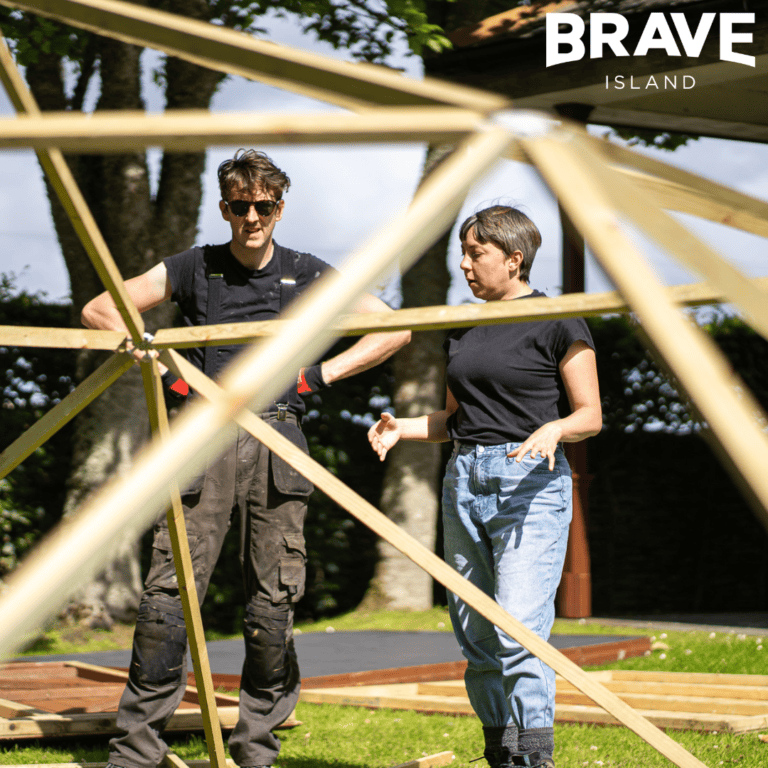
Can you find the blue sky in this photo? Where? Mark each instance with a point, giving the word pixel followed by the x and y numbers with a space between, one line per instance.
pixel 341 195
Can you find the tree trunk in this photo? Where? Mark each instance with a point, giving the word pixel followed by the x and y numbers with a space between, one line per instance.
pixel 139 229
pixel 411 495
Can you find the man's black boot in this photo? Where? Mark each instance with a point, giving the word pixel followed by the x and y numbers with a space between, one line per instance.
pixel 500 745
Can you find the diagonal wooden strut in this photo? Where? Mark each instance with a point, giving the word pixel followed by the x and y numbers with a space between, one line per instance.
pixel 87 391
pixel 732 415
pixel 711 205
pixel 225 50
pixel 61 179
pixel 435 567
pixel 185 575
pixel 678 241
pixel 736 208
pixel 125 507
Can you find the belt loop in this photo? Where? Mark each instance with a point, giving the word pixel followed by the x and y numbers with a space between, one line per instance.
pixel 282 411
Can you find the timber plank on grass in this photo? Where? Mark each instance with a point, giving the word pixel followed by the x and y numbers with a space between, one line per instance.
pixel 709 702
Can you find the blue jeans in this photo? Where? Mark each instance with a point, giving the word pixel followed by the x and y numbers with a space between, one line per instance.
pixel 506 530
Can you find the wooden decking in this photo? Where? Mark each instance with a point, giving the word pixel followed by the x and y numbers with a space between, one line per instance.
pixel 39 699
pixel 46 699
pixel 710 702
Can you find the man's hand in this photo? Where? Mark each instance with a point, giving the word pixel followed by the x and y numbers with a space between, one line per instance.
pixel 311 380
pixel 384 434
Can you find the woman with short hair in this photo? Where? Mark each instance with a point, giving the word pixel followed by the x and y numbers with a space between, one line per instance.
pixel 515 392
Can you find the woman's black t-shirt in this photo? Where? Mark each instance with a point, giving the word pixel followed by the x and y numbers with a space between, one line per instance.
pixel 247 295
pixel 506 378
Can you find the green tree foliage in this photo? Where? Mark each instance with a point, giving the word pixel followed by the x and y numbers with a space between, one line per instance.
pixel 369 29
pixel 669 530
pixel 32 381
pixel 638 394
pixel 666 140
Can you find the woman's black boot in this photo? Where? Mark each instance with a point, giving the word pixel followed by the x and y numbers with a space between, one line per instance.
pixel 535 747
pixel 500 745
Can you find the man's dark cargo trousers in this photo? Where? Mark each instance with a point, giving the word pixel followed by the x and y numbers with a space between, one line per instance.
pixel 270 500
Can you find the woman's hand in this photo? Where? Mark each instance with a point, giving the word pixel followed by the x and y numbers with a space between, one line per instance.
pixel 384 434
pixel 542 442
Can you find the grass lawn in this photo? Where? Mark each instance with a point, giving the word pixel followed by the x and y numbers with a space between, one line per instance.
pixel 349 737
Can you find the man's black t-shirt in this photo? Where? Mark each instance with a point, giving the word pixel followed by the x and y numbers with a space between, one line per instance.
pixel 506 378
pixel 247 295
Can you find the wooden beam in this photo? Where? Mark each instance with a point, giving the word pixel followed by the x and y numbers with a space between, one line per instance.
pixel 60 338
pixel 416 318
pixel 349 85
pixel 172 760
pixel 63 183
pixel 673 196
pixel 442 317
pixel 677 190
pixel 47 725
pixel 11 709
pixel 734 208
pixel 433 565
pixel 130 503
pixel 185 577
pixel 195 130
pixel 429 761
pixel 678 241
pixel 65 411
pixel 732 415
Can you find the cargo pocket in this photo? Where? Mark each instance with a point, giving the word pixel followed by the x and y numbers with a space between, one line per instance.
pixel 160 642
pixel 162 571
pixel 287 480
pixel 293 567
pixel 190 494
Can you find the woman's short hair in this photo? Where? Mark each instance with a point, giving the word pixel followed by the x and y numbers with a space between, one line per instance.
pixel 508 229
pixel 249 169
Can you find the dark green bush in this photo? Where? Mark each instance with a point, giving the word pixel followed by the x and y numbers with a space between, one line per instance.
pixel 32 381
pixel 668 529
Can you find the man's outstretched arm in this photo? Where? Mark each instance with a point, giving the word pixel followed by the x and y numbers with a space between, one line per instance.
pixel 368 351
pixel 146 292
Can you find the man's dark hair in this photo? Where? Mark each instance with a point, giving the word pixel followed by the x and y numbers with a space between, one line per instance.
pixel 249 169
pixel 507 229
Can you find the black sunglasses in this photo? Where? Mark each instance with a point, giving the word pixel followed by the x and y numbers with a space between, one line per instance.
pixel 241 207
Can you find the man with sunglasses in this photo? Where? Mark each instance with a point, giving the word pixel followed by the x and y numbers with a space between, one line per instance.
pixel 250 278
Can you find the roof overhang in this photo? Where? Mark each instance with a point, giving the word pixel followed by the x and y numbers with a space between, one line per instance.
pixel 701 95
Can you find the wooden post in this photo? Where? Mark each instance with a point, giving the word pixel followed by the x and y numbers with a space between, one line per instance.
pixel 574 598
pixel 185 575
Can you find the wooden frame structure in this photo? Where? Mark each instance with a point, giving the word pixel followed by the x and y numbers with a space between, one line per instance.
pixel 600 186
